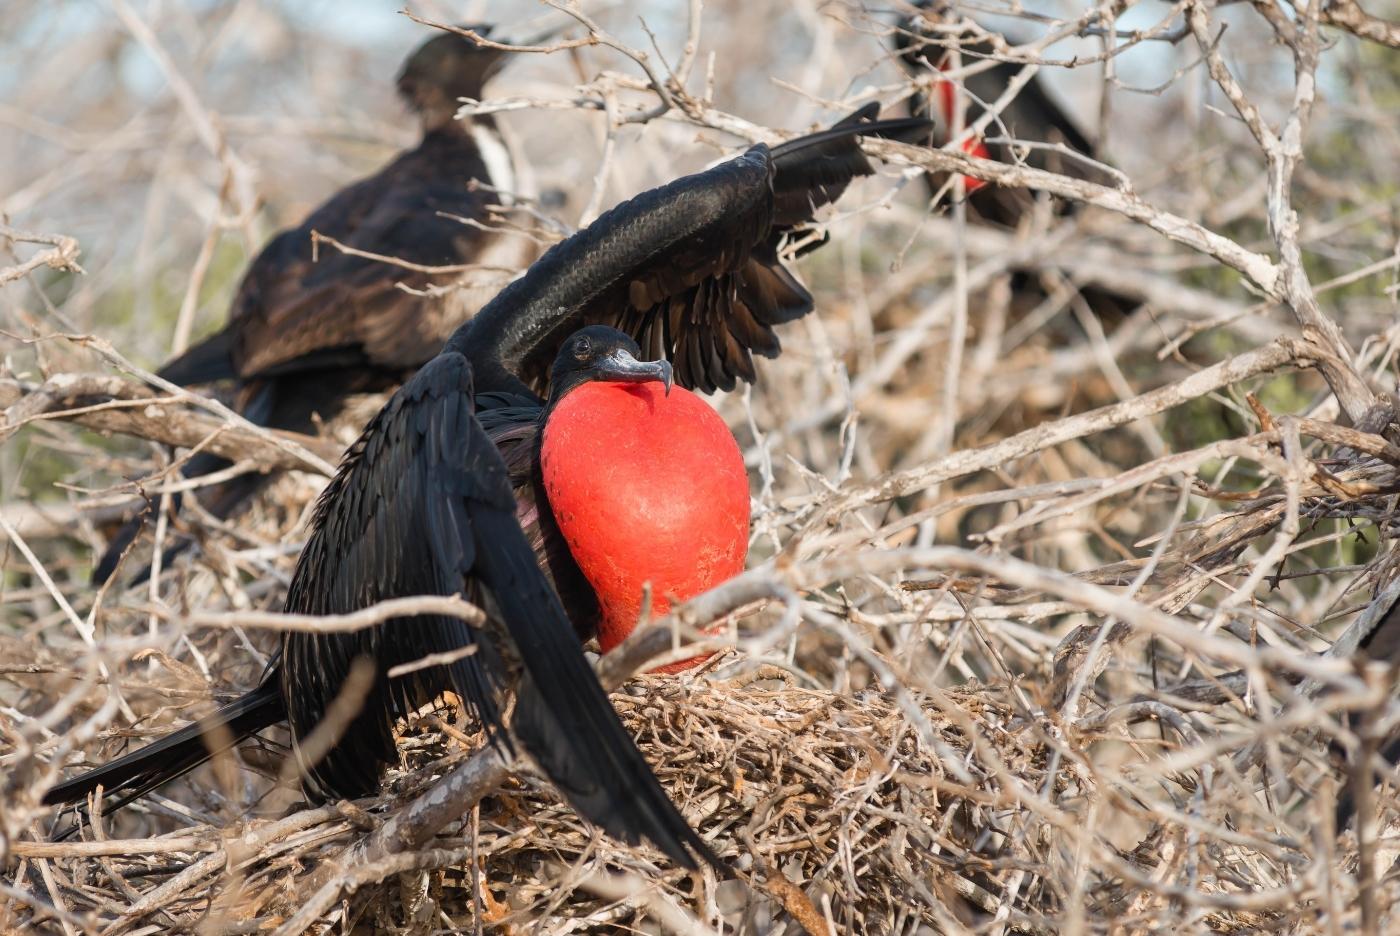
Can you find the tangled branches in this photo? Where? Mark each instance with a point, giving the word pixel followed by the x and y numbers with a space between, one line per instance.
pixel 1054 605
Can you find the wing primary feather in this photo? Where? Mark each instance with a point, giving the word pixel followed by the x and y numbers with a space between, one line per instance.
pixel 563 718
pixel 814 170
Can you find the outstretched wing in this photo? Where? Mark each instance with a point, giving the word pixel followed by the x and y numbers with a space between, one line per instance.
pixel 690 269
pixel 422 505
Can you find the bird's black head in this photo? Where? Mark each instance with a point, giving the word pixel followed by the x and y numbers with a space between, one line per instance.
pixel 917 36
pixel 602 353
pixel 445 68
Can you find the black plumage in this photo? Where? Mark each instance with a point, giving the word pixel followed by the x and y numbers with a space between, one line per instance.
pixel 179 752
pixel 422 505
pixel 309 327
pixel 441 494
pixel 1381 644
pixel 1033 115
pixel 690 270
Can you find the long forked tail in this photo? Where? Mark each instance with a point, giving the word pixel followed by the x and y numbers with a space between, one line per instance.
pixel 136 774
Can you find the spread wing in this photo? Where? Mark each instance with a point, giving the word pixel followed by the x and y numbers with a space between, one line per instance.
pixel 691 269
pixel 422 505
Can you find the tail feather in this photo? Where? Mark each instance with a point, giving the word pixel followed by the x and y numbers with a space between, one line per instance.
pixel 179 752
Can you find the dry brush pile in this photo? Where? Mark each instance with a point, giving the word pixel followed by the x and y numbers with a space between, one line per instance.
pixel 1049 619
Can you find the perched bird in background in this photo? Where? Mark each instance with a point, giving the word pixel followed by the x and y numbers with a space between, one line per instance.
pixel 310 327
pixel 929 43
pixel 541 467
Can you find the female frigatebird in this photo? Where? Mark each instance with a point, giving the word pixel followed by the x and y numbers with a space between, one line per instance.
pixel 307 329
pixel 617 482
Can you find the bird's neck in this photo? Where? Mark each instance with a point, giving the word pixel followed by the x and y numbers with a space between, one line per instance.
pixel 651 494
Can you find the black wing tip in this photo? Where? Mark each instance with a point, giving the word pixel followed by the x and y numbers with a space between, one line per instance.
pixel 865 121
pixel 859 123
pixel 900 129
pixel 668 832
pixel 864 114
pixel 692 847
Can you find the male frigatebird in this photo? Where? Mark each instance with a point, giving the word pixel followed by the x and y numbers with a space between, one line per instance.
pixel 927 43
pixel 304 334
pixel 617 483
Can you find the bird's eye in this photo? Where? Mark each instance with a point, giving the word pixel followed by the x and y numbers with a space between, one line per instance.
pixel 582 348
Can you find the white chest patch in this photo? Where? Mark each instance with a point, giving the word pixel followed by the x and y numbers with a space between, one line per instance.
pixel 497 159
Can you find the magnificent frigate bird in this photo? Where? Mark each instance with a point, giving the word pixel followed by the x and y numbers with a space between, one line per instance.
pixel 616 481
pixel 930 42
pixel 310 327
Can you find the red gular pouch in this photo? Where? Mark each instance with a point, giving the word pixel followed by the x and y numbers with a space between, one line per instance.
pixel 946 93
pixel 973 146
pixel 646 488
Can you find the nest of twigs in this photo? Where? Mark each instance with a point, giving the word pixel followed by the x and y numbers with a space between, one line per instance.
pixel 830 809
pixel 1065 542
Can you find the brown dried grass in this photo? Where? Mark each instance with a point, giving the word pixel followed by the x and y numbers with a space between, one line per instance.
pixel 1106 709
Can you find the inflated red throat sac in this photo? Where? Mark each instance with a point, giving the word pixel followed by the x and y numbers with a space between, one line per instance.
pixel 646 488
pixel 947 104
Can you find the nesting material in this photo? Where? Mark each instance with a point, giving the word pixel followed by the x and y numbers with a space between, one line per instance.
pixel 835 812
pixel 1055 523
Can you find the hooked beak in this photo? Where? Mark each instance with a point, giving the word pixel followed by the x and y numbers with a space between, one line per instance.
pixel 619 365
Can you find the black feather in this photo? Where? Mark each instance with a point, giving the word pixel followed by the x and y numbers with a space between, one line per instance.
pixel 308 331
pixel 209 361
pixel 179 752
pixel 659 265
